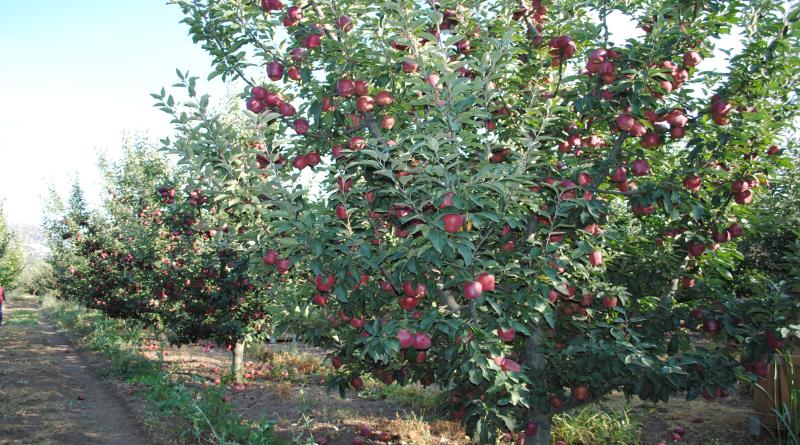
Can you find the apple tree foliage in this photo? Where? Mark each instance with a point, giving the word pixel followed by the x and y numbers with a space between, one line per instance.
pixel 512 206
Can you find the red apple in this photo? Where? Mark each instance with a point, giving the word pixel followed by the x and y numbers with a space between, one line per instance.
pixel 408 303
pixel 676 118
pixel 506 364
pixel 300 162
pixel 320 300
pixel 692 58
pixel 609 301
pixel 405 337
pixel 409 67
pixel 357 143
pixel 344 184
pixel 472 290
pixel 650 140
pixel 721 237
pixel 344 23
pixel 361 88
pixel 640 167
pixel 413 291
pixel 275 70
pixel 325 284
pixel 313 159
pixel 773 340
pixel 286 109
pixel 345 87
pixel 259 93
pixel 453 222
pixel 740 186
pixel 596 258
pixel 295 13
pixel 383 98
pixel 341 211
pixel 301 126
pixel 677 132
pixel 625 122
pixel 312 41
pixel 735 230
pixel 696 249
pixel 422 341
pixel 365 104
pixel 580 393
pixel 506 334
pixel 273 99
pixel 283 265
pixel 746 197
pixel 358 323
pixel 271 257
pixel 487 281
pixel 387 122
pixel 620 175
pixel 447 201
pixel 293 73
pixel 254 105
pixel 692 183
pixel 337 151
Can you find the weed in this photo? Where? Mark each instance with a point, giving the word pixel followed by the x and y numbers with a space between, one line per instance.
pixel 22 317
pixel 591 424
pixel 413 397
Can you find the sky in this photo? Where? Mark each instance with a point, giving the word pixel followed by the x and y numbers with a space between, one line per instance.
pixel 75 76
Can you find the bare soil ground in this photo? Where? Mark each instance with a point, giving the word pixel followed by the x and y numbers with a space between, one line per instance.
pixel 50 393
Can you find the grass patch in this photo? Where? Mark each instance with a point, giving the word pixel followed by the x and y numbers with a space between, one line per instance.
pixel 413 397
pixel 595 425
pixel 21 317
pixel 195 414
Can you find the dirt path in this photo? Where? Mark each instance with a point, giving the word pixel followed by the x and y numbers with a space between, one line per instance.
pixel 49 393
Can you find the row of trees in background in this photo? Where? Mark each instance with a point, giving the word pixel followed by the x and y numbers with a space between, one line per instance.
pixel 12 259
pixel 512 207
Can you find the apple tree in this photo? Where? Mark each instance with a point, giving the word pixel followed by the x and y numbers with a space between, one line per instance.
pixel 517 204
pixel 232 225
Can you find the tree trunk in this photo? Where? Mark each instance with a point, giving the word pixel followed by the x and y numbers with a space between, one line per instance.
pixel 538 361
pixel 542 436
pixel 676 280
pixel 237 369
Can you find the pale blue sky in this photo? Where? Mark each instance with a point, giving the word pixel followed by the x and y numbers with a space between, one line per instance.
pixel 73 77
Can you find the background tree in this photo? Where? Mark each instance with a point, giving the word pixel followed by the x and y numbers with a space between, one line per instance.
pixel 12 260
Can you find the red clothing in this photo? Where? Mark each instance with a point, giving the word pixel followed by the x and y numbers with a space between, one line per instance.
pixel 1 294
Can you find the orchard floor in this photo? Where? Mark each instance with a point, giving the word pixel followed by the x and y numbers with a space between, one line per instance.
pixel 41 377
pixel 284 385
pixel 50 393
